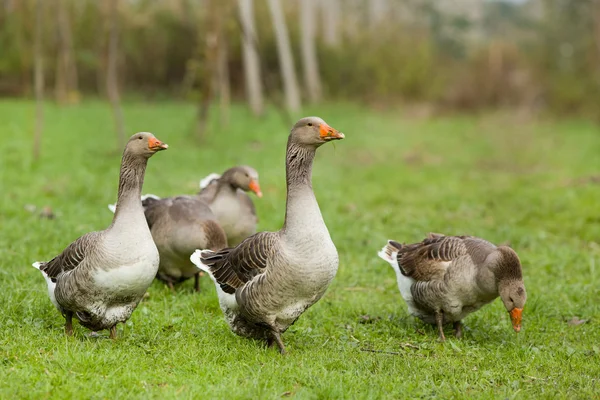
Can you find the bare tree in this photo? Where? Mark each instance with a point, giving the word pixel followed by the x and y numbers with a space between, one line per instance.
pixel 377 11
pixel 312 81
pixel 66 90
pixel 331 20
pixel 209 80
pixel 112 82
pixel 286 61
pixel 254 87
pixel 38 79
pixel 223 76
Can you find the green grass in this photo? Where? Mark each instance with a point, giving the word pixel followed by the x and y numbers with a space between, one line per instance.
pixel 520 181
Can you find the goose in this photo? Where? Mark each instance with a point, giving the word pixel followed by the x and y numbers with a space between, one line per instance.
pixel 179 225
pixel 101 277
pixel 225 194
pixel 266 282
pixel 444 278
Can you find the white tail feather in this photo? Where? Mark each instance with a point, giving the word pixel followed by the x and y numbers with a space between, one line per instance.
pixel 51 285
pixel 204 182
pixel 112 207
pixel 196 259
pixel 226 300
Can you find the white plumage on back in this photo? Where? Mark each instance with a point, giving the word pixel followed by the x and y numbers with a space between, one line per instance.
pixel 204 182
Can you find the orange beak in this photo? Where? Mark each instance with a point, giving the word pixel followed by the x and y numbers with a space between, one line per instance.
pixel 328 133
pixel 515 317
pixel 156 145
pixel 255 187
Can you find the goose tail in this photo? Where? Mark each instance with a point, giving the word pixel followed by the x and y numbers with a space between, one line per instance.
pixel 204 182
pixel 226 300
pixel 196 259
pixel 389 253
pixel 51 283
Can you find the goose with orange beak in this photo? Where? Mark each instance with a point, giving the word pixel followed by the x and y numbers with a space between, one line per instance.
pixel 445 278
pixel 227 197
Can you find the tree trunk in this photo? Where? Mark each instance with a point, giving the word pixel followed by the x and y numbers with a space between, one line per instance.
pixel 66 90
pixel 112 82
pixel 254 87
pixel 223 77
pixel 209 79
pixel 286 61
pixel 331 20
pixel 38 79
pixel 377 12
pixel 312 80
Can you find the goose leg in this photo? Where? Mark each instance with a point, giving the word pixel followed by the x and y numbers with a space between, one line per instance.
pixel 113 332
pixel 458 329
pixel 170 285
pixel 69 323
pixel 197 282
pixel 277 337
pixel 439 320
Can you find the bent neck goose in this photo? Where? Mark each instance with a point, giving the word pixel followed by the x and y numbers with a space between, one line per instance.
pixel 102 276
pixel 444 278
pixel 179 225
pixel 266 282
pixel 225 194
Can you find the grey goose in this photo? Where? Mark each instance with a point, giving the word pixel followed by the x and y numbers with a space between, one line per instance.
pixel 444 278
pixel 227 198
pixel 266 282
pixel 101 277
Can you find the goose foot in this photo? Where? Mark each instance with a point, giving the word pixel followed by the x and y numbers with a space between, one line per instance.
pixel 113 332
pixel 69 323
pixel 439 320
pixel 458 332
pixel 197 282
pixel 276 338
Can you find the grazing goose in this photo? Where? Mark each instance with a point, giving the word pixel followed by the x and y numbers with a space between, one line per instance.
pixel 225 194
pixel 180 225
pixel 267 281
pixel 102 276
pixel 445 278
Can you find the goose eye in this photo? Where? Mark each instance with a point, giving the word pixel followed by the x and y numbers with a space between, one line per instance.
pixel 310 124
pixel 139 137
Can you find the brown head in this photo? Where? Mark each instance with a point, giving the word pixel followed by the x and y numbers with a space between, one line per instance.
pixel 144 144
pixel 243 177
pixel 313 132
pixel 511 288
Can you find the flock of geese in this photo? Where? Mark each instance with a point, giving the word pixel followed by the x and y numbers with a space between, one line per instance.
pixel 265 280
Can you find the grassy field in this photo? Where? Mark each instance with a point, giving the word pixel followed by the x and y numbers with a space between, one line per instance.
pixel 531 183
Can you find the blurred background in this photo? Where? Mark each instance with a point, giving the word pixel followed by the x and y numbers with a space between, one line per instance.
pixel 430 55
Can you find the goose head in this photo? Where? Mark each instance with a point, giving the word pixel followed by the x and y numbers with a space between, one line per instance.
pixel 144 144
pixel 313 132
pixel 245 178
pixel 510 284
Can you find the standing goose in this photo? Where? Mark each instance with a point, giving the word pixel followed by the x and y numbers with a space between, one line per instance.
pixel 102 276
pixel 445 278
pixel 179 225
pixel 267 281
pixel 225 194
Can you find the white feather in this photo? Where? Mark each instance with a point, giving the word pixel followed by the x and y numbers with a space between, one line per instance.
pixel 51 285
pixel 226 300
pixel 204 182
pixel 150 196
pixel 404 282
pixel 113 207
